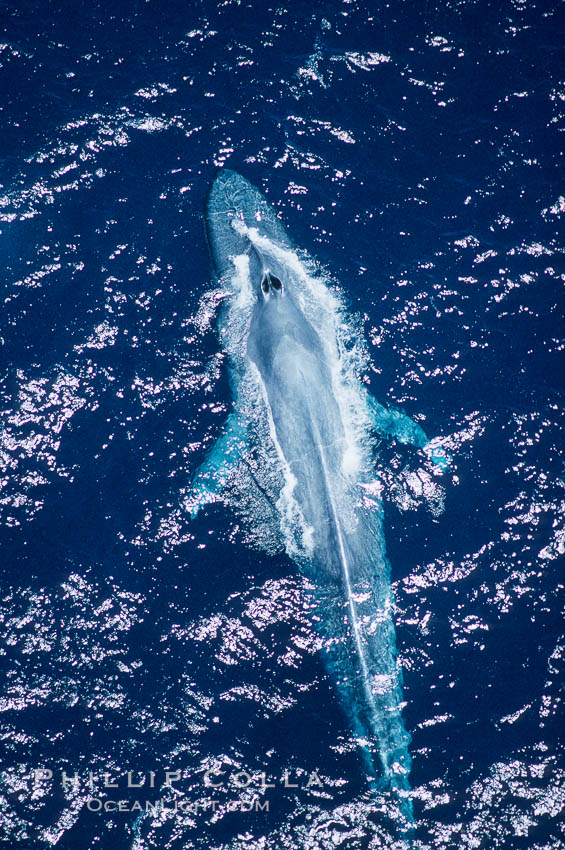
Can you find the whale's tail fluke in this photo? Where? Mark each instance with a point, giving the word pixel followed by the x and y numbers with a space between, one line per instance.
pixel 359 639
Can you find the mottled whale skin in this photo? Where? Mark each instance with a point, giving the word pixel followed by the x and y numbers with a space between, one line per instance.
pixel 291 357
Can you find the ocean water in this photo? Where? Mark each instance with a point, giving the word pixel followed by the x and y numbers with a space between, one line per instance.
pixel 415 151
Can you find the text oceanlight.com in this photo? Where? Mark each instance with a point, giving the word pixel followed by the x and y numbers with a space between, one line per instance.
pixel 95 804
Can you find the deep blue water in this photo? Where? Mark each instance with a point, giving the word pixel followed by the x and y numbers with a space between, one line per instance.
pixel 415 150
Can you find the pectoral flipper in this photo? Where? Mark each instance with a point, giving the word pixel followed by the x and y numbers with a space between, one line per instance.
pixel 212 475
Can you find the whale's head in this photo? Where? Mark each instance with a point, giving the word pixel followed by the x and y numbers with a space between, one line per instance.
pixel 234 207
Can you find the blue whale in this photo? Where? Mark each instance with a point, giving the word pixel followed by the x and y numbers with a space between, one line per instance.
pixel 302 435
